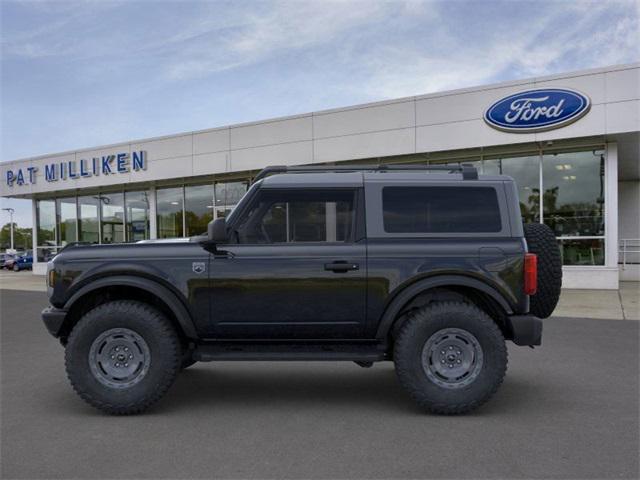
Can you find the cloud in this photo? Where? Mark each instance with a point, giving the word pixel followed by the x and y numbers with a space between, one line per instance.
pixel 556 40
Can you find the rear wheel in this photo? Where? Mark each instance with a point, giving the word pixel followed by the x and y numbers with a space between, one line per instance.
pixel 16 268
pixel 122 357
pixel 542 241
pixel 451 357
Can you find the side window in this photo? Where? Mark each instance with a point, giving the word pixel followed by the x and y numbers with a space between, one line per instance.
pixel 440 210
pixel 294 216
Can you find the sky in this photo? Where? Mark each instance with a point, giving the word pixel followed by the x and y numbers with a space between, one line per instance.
pixel 87 73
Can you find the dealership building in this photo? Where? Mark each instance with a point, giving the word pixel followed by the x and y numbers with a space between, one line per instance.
pixel 571 142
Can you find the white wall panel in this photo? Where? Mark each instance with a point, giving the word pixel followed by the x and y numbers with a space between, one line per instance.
pixel 462 107
pixel 593 123
pixel 379 144
pixel 623 85
pixel 166 147
pixel 361 120
pixel 210 163
pixel 166 168
pixel 592 85
pixel 623 116
pixel 259 157
pixel 212 141
pixel 271 133
pixel 469 134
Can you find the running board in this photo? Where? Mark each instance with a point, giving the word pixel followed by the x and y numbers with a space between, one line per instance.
pixel 229 351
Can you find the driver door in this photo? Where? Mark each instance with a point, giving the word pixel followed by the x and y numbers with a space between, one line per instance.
pixel 296 268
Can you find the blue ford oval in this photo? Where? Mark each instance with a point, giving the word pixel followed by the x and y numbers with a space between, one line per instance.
pixel 537 110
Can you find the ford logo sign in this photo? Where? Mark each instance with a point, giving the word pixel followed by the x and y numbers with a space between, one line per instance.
pixel 537 110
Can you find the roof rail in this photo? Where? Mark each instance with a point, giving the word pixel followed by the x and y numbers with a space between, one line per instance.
pixel 469 172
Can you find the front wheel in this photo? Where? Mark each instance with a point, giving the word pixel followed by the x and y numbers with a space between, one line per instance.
pixel 16 268
pixel 122 357
pixel 451 357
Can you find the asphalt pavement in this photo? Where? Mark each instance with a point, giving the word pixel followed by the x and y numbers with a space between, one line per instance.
pixel 569 409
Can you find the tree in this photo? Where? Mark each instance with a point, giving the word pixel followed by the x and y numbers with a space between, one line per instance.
pixel 22 237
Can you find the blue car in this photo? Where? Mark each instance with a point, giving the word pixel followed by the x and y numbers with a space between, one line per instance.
pixel 23 262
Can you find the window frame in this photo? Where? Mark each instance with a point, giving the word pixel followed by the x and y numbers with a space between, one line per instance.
pixel 375 218
pixel 354 232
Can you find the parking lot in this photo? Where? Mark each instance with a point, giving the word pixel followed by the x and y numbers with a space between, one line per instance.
pixel 566 410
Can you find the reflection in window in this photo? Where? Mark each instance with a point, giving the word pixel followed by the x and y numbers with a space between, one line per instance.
pixel 313 216
pixel 46 223
pixel 573 200
pixel 112 217
pixel 198 208
pixel 169 212
pixel 88 219
pixel 582 252
pixel 227 195
pixel 137 216
pixel 440 210
pixel 67 220
pixel 526 173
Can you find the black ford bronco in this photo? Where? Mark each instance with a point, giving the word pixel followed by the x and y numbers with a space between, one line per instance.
pixel 429 267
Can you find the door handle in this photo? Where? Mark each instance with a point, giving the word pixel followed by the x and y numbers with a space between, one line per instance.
pixel 341 266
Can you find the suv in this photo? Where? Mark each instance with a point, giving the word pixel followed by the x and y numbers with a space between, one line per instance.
pixel 431 270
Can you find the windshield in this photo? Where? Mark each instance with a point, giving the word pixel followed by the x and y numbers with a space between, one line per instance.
pixel 242 201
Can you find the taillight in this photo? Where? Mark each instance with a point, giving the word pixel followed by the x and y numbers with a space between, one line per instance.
pixel 530 273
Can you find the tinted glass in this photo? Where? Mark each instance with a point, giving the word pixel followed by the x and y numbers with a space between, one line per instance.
pixel 137 215
pixel 198 208
pixel 112 217
pixel 440 210
pixel 88 219
pixel 582 252
pixel 573 199
pixel 46 228
pixel 227 195
pixel 526 173
pixel 310 216
pixel 169 205
pixel 67 217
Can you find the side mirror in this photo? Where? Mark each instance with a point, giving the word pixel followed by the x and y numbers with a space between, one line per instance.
pixel 217 231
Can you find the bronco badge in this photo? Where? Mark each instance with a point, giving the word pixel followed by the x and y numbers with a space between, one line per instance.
pixel 198 267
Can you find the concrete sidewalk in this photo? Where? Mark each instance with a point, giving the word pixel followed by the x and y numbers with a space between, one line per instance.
pixel 620 304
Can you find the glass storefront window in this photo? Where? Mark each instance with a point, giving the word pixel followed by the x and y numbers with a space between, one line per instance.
pixel 67 220
pixel 526 172
pixel 45 229
pixel 198 208
pixel 573 200
pixel 112 217
pixel 227 195
pixel 88 228
pixel 169 212
pixel 582 251
pixel 137 216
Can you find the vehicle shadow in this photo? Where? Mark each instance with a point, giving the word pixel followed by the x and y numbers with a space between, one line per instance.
pixel 266 385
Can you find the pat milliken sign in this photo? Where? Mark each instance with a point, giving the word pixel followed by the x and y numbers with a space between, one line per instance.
pixel 537 110
pixel 117 163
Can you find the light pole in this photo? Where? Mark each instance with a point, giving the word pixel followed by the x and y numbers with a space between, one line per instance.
pixel 11 212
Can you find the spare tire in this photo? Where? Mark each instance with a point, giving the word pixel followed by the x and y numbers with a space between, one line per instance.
pixel 542 242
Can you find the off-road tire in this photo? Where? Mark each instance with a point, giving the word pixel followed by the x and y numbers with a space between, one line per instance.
pixel 156 331
pixel 415 333
pixel 542 241
pixel 16 268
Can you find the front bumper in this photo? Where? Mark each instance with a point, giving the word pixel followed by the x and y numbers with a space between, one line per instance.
pixel 53 319
pixel 527 329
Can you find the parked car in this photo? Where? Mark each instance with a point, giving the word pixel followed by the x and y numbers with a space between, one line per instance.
pixel 361 263
pixel 6 258
pixel 23 262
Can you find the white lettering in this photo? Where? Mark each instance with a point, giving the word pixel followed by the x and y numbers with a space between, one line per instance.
pixel 524 109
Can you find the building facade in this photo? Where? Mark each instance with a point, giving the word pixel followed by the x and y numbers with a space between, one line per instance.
pixel 571 142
